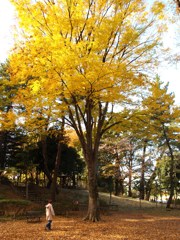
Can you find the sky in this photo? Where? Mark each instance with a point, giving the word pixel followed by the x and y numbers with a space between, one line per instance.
pixel 167 73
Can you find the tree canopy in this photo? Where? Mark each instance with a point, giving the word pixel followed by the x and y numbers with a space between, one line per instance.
pixel 84 61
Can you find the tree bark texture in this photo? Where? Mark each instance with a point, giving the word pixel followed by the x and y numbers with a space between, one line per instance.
pixel 93 213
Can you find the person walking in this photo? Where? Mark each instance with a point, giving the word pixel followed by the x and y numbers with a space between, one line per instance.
pixel 49 215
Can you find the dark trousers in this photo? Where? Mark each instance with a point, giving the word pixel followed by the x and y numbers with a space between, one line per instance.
pixel 48 225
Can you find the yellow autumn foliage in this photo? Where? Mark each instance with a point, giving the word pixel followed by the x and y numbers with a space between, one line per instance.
pixel 77 50
pixel 7 120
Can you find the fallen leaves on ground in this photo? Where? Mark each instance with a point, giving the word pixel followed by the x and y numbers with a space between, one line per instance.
pixel 124 226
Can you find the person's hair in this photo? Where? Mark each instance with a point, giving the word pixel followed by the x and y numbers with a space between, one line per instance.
pixel 49 201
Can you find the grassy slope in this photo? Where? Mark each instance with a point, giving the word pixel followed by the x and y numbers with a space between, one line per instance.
pixel 70 195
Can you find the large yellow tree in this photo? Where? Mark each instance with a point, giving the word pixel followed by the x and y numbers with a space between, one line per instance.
pixel 84 58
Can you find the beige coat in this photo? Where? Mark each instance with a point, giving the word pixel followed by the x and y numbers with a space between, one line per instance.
pixel 49 211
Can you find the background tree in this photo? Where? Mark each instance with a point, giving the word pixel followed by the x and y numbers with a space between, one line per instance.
pixel 11 136
pixel 164 117
pixel 71 164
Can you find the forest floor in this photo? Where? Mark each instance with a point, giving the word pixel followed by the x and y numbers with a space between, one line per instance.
pixel 124 225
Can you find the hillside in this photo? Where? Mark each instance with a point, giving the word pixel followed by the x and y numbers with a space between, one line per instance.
pixel 8 192
pixel 69 195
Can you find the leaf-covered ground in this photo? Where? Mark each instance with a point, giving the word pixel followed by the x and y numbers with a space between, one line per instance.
pixel 135 225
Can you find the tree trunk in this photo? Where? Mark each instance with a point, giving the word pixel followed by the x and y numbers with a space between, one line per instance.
pixel 121 184
pixel 169 202
pixel 57 162
pixel 56 170
pixel 74 180
pixel 152 178
pixel 142 181
pixel 3 149
pixel 27 186
pixel 117 189
pixel 37 177
pixel 45 157
pixel 119 181
pixel 93 213
pixel 130 178
pixel 90 140
pixel 172 174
